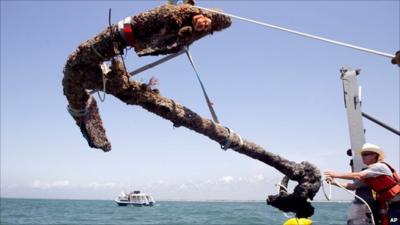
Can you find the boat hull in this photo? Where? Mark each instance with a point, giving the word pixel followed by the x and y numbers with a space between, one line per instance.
pixel 128 203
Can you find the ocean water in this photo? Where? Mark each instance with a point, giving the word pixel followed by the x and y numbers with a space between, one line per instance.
pixel 35 211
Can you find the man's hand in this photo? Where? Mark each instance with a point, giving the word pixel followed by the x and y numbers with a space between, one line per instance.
pixel 201 23
pixel 330 174
pixel 329 180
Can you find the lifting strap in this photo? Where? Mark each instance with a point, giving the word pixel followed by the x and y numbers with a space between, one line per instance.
pixel 209 103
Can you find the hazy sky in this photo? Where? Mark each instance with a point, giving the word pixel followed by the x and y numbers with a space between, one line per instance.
pixel 276 89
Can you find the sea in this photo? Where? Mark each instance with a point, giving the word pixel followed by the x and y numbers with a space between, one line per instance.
pixel 96 212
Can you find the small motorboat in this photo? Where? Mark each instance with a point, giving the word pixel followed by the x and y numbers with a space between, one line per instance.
pixel 135 198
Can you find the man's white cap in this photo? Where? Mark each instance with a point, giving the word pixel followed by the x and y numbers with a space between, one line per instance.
pixel 367 147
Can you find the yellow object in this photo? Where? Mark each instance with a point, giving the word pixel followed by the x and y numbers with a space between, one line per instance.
pixel 298 221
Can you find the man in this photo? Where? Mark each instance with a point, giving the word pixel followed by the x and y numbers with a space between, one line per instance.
pixel 380 177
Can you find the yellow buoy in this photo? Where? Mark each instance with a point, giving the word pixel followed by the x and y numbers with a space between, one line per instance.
pixel 298 221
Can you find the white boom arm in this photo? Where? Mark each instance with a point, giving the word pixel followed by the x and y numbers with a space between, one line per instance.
pixel 352 101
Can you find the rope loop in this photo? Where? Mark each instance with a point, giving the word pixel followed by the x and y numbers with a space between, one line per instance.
pixel 80 112
pixel 77 112
pixel 327 196
pixel 102 99
pixel 105 70
pixel 228 140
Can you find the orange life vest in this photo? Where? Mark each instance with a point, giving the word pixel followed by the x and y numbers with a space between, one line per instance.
pixel 386 187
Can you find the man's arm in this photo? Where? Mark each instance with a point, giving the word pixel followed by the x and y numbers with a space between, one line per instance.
pixel 349 186
pixel 348 176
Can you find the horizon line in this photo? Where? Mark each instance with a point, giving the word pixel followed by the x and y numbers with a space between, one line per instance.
pixel 168 200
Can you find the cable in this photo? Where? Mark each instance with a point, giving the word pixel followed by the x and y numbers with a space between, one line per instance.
pixel 301 33
pixel 156 63
pixel 109 19
pixel 380 123
pixel 210 107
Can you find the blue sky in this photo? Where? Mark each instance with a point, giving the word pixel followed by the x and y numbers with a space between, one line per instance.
pixel 276 89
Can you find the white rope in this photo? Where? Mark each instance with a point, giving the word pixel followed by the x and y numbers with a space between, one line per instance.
pixel 240 142
pixel 328 197
pixel 279 186
pixel 102 99
pixel 301 33
pixel 286 215
pixel 359 198
pixel 105 70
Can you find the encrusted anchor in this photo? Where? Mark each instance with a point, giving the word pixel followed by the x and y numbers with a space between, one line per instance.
pixel 164 30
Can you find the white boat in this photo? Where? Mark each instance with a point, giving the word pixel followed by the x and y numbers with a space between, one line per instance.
pixel 135 198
